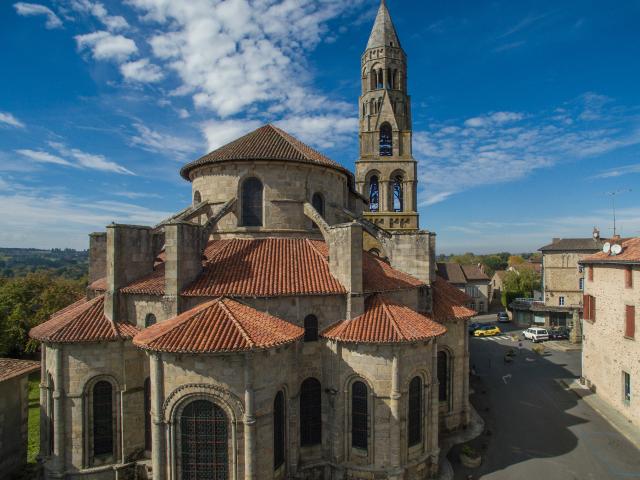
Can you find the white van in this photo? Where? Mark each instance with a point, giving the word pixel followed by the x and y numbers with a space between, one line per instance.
pixel 536 334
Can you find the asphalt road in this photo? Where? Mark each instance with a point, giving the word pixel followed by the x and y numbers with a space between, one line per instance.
pixel 534 428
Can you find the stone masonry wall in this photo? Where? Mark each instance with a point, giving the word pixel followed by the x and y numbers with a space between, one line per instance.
pixel 14 411
pixel 606 351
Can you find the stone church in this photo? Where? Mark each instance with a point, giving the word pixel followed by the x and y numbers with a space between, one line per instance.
pixel 289 323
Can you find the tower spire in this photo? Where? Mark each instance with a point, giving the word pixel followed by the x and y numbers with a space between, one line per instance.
pixel 383 32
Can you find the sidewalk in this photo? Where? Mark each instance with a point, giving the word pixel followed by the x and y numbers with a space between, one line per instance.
pixel 475 428
pixel 610 414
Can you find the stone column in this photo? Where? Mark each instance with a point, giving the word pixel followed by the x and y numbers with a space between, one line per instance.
pixel 249 420
pixel 58 413
pixel 385 77
pixel 44 398
pixel 435 405
pixel 409 197
pixel 159 460
pixel 383 195
pixel 395 427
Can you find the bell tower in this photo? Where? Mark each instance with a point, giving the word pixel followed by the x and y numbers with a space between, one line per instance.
pixel 386 172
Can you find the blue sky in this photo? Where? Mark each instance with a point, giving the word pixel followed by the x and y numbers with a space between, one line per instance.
pixel 526 114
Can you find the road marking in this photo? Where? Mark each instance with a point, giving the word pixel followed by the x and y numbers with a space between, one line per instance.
pixel 506 377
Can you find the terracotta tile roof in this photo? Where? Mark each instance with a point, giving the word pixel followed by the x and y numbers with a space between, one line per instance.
pixel 152 284
pixel 449 302
pixel 630 253
pixel 221 325
pixel 266 143
pixel 83 321
pixel 574 244
pixel 11 368
pixel 100 285
pixel 284 266
pixel 385 321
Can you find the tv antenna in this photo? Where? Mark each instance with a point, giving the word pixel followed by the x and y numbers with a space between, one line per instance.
pixel 613 205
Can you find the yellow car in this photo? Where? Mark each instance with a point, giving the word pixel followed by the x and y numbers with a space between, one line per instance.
pixel 487 331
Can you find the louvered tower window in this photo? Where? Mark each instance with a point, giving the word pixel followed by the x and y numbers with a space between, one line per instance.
pixel 204 442
pixel 374 194
pixel 398 195
pixel 359 415
pixel 386 140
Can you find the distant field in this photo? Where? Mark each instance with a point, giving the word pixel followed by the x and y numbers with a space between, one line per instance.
pixel 17 262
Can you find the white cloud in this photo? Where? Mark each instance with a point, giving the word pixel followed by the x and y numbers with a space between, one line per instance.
pixel 43 157
pixel 98 10
pixel 322 131
pixel 9 119
pixel 230 56
pixel 619 171
pixel 33 218
pixel 4 185
pixel 141 71
pixel 506 146
pixel 90 161
pixel 221 132
pixel 29 9
pixel 164 143
pixel 107 46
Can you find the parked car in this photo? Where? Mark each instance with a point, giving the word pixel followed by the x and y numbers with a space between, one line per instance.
pixel 560 333
pixel 473 327
pixel 487 331
pixel 536 334
pixel 503 317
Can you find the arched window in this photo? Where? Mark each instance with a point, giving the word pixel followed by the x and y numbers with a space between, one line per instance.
pixel 318 203
pixel 374 194
pixel 359 415
pixel 102 418
pixel 310 412
pixel 149 320
pixel 147 414
pixel 197 198
pixel 380 77
pixel 398 196
pixel 252 202
pixel 386 140
pixel 310 328
pixel 278 431
pixel 414 420
pixel 443 376
pixel 204 441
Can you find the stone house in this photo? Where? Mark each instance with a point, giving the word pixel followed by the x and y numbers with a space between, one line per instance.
pixel 14 413
pixel 610 348
pixel 471 280
pixel 497 285
pixel 252 335
pixel 562 284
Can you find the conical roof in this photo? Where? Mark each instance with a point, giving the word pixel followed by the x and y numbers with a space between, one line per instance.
pixel 383 32
pixel 218 326
pixel 266 143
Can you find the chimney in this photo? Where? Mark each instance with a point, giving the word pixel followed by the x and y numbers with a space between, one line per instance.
pixel 183 249
pixel 345 263
pixel 97 256
pixel 555 240
pixel 129 256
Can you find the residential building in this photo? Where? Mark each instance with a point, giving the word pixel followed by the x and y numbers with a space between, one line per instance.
pixel 14 413
pixel 562 284
pixel 611 343
pixel 497 282
pixel 253 335
pixel 471 280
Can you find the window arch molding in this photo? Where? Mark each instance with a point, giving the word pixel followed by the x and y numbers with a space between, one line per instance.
pixel 90 459
pixel 251 201
pixel 347 390
pixel 174 406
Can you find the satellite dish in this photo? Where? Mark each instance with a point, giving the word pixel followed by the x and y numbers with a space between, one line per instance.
pixel 616 249
pixel 606 248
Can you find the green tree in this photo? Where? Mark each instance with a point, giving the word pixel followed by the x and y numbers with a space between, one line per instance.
pixel 28 301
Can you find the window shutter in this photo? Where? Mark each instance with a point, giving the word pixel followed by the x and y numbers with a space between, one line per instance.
pixel 593 308
pixel 591 273
pixel 630 324
pixel 628 278
pixel 586 307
